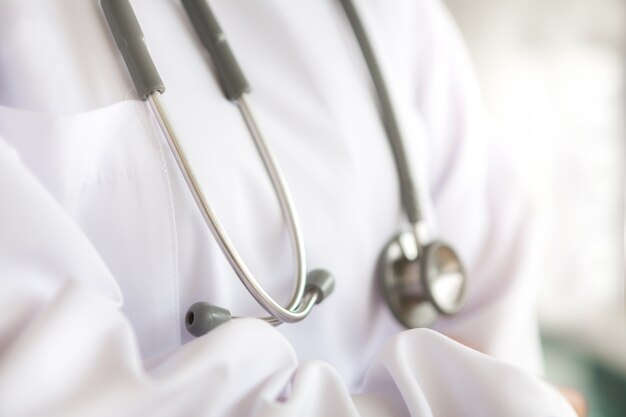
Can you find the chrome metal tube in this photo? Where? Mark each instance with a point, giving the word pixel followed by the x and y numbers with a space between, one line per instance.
pixel 296 310
pixel 308 302
pixel 284 198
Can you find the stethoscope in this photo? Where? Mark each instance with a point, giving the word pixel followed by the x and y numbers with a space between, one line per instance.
pixel 420 279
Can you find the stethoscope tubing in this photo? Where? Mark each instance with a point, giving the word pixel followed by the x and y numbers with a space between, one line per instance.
pixel 313 287
pixel 408 190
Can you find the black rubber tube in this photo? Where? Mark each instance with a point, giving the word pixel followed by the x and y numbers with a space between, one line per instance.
pixel 408 191
pixel 130 41
pixel 229 73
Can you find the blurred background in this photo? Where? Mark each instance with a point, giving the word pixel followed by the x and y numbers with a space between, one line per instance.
pixel 553 79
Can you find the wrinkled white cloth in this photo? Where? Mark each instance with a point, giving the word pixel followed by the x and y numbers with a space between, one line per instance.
pixel 102 249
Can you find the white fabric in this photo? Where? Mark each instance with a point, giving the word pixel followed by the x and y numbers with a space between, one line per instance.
pixel 102 249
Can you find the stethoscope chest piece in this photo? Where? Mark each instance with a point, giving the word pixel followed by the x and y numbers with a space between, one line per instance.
pixel 420 282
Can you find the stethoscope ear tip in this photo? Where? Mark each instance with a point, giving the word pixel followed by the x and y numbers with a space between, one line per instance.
pixel 203 317
pixel 322 282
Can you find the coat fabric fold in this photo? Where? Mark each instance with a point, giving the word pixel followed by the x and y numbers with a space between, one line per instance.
pixel 102 249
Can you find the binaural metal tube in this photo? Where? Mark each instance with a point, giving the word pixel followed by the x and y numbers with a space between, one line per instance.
pixel 236 89
pixel 284 198
pixel 222 238
pixel 131 43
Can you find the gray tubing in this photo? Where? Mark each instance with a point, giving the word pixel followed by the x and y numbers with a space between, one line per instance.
pixel 130 41
pixel 408 191
pixel 231 77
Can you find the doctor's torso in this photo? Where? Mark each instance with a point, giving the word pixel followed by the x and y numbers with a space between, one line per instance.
pixel 67 104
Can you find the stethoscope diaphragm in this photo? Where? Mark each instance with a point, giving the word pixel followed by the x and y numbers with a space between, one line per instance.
pixel 420 282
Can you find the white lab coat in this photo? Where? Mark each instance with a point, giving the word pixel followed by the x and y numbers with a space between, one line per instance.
pixel 102 249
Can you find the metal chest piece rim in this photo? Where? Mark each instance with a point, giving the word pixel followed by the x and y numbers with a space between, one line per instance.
pixel 421 282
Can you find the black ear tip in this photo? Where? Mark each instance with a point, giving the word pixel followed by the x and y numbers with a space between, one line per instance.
pixel 203 317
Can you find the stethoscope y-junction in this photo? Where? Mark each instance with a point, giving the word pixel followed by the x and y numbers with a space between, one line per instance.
pixel 419 278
